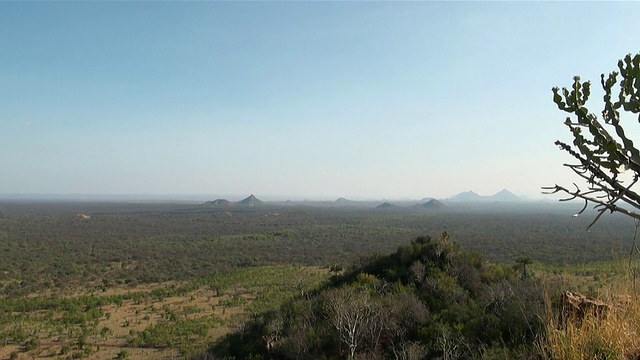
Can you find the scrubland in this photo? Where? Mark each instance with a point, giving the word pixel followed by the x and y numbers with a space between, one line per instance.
pixel 109 280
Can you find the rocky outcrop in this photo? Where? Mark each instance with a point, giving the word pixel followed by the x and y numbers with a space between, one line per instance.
pixel 575 307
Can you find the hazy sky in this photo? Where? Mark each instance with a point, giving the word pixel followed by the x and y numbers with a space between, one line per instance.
pixel 295 99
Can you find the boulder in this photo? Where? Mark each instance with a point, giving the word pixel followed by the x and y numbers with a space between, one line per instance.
pixel 575 307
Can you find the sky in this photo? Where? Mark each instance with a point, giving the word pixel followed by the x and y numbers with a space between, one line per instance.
pixel 293 100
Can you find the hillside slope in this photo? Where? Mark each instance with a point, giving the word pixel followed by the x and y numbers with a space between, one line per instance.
pixel 429 300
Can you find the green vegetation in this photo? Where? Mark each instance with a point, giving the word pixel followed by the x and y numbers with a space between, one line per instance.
pixel 609 164
pixel 429 299
pixel 46 246
pixel 180 320
pixel 169 280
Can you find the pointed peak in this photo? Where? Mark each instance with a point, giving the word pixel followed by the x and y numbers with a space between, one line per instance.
pixel 466 196
pixel 386 205
pixel 432 204
pixel 505 195
pixel 250 200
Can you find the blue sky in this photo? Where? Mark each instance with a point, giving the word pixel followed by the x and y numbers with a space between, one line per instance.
pixel 295 99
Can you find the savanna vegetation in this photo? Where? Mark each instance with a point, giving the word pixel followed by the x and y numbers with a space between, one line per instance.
pixel 109 280
pixel 48 246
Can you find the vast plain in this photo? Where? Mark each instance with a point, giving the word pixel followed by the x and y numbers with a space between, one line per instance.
pixel 164 280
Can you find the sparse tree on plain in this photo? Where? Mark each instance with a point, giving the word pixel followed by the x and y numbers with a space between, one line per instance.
pixel 524 260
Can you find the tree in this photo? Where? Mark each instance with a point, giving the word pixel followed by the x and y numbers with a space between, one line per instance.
pixel 524 260
pixel 608 161
pixel 335 269
pixel 350 310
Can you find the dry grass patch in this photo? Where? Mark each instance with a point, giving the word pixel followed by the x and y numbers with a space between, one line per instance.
pixel 151 321
pixel 614 334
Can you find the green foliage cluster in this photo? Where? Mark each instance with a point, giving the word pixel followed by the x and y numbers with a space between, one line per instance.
pixel 429 299
pixel 175 332
pixel 73 317
pixel 603 149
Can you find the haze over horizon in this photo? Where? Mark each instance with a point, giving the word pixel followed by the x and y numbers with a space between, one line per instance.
pixel 230 197
pixel 318 100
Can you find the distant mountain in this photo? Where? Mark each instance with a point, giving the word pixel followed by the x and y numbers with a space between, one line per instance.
pixel 466 196
pixel 251 200
pixel 345 202
pixel 386 205
pixel 505 195
pixel 502 195
pixel 218 203
pixel 432 204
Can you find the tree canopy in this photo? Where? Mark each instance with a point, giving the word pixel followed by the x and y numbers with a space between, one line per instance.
pixel 607 158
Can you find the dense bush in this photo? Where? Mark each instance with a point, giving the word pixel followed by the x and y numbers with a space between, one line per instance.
pixel 429 299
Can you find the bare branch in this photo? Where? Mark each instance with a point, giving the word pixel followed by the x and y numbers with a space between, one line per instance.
pixel 602 155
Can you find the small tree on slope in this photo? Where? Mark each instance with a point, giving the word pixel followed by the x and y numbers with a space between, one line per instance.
pixel 606 157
